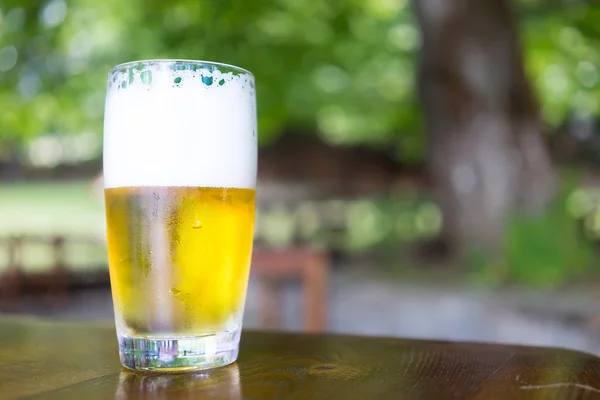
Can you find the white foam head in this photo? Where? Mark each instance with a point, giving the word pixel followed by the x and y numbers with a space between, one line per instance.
pixel 180 123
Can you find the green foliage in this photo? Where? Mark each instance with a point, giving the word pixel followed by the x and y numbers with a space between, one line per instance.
pixel 545 250
pixel 562 53
pixel 341 68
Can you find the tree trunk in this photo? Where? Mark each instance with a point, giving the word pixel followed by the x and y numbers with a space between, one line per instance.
pixel 487 155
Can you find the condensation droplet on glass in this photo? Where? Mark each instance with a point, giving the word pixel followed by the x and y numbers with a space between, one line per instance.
pixel 197 225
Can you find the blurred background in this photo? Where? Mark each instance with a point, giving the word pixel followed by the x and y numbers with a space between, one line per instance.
pixel 440 159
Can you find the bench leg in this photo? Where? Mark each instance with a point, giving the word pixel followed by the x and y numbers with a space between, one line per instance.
pixel 315 295
pixel 272 302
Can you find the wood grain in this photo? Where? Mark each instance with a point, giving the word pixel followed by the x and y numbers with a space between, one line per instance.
pixel 51 360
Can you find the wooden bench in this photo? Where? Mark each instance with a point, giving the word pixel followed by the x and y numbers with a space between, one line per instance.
pixel 272 267
pixel 14 281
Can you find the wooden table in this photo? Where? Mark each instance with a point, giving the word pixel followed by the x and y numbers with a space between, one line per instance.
pixel 51 360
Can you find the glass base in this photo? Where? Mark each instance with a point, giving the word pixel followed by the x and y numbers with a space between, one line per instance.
pixel 179 354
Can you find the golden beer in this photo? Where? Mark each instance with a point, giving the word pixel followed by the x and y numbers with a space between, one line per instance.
pixel 180 160
pixel 179 258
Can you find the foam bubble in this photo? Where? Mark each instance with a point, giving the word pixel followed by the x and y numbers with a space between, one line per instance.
pixel 180 124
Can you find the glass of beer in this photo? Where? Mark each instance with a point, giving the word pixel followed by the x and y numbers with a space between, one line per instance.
pixel 180 152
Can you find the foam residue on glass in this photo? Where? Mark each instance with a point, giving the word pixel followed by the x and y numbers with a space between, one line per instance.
pixel 180 124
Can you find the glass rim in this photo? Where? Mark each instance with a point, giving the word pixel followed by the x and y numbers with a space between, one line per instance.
pixel 180 61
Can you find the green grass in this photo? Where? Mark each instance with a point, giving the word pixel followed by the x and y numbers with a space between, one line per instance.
pixel 53 208
pixel 50 208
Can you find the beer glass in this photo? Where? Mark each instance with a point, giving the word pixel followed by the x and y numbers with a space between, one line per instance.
pixel 180 155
